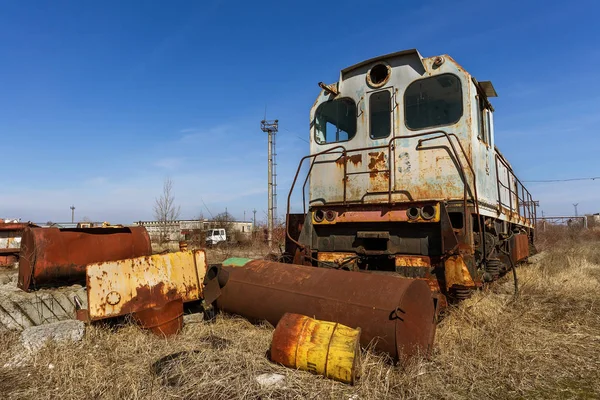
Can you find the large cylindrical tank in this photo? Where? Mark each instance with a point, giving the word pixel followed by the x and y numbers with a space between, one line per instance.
pixel 396 315
pixel 321 347
pixel 57 257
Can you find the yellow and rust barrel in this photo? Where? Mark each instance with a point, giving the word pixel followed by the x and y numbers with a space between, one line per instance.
pixel 321 347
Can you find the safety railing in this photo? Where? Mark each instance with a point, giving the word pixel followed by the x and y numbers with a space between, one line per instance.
pixel 343 152
pixel 519 198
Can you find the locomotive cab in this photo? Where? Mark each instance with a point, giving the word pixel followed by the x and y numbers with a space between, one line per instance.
pixel 404 178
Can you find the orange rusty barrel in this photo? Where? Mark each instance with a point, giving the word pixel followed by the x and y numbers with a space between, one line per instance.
pixel 165 320
pixel 396 315
pixel 183 245
pixel 57 257
pixel 321 347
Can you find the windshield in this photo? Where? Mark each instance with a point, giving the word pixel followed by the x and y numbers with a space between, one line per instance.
pixel 433 102
pixel 335 121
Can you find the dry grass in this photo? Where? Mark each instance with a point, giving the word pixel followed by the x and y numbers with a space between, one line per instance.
pixel 223 251
pixel 543 344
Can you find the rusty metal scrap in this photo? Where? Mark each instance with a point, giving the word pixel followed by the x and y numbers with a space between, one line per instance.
pixel 521 247
pixel 163 320
pixel 10 241
pixel 132 285
pixel 57 257
pixel 394 313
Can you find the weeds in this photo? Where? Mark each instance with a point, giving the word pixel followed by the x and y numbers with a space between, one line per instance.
pixel 543 344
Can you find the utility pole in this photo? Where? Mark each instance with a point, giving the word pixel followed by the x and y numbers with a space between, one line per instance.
pixel 254 221
pixel 575 205
pixel 72 214
pixel 271 127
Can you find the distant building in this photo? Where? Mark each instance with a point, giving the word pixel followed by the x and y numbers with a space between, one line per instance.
pixel 185 229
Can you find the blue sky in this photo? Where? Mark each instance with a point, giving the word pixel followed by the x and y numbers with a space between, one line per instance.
pixel 100 101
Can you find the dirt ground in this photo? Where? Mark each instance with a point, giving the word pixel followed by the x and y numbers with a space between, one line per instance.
pixel 545 343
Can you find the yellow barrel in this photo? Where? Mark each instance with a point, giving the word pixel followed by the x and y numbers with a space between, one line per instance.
pixel 183 245
pixel 321 347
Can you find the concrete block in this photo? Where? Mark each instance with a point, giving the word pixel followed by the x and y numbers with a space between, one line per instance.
pixel 36 337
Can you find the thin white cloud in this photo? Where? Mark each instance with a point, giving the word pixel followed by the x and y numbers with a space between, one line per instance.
pixel 170 163
pixel 98 180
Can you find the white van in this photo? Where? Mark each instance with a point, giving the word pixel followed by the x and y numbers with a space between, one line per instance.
pixel 215 236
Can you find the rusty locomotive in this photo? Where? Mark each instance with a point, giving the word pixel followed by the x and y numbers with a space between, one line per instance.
pixel 404 178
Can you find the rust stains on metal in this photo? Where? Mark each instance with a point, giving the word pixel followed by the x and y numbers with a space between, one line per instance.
pixel 57 257
pixel 376 163
pixel 132 285
pixel 395 313
pixel 10 241
pixel 320 347
pixel 163 320
pixel 340 259
pixel 457 274
pixel 521 247
pixel 7 260
pixel 355 159
pixel 412 261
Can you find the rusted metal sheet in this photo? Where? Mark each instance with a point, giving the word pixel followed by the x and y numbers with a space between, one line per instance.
pixel 394 313
pixel 57 257
pixel 128 286
pixel 520 247
pixel 10 241
pixel 338 259
pixel 163 320
pixel 7 260
pixel 457 274
pixel 412 261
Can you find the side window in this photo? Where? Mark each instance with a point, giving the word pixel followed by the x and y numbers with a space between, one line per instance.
pixel 482 132
pixel 380 114
pixel 484 122
pixel 489 125
pixel 335 121
pixel 433 101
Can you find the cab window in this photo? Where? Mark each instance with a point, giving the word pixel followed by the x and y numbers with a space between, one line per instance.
pixel 335 121
pixel 433 101
pixel 380 110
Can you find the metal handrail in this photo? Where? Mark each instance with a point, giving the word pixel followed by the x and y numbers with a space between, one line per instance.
pixel 390 146
pixel 524 207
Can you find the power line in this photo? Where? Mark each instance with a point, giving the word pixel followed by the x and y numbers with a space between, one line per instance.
pixel 298 136
pixel 565 180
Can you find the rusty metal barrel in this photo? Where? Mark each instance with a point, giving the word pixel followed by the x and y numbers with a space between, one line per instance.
pixel 396 315
pixel 57 257
pixel 163 320
pixel 321 347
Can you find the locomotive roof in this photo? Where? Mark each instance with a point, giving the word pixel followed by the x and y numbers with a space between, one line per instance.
pixel 372 60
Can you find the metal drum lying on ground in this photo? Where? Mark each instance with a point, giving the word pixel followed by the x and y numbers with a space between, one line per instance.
pixel 396 315
pixel 321 347
pixel 52 256
pixel 162 320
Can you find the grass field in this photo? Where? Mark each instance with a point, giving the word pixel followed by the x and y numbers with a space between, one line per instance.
pixel 545 343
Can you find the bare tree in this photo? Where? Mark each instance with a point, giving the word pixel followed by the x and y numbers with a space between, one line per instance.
pixel 224 220
pixel 165 210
